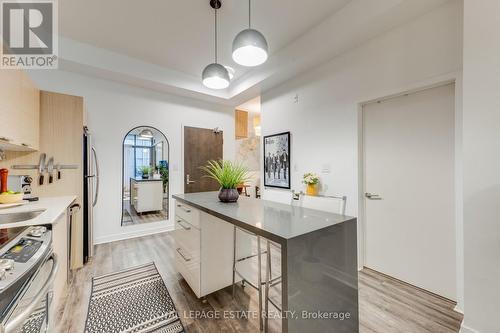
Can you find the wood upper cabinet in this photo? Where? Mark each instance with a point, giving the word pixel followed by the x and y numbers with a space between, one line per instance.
pixel 19 112
pixel 241 124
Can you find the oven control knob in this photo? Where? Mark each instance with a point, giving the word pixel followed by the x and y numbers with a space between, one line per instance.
pixel 2 274
pixel 6 264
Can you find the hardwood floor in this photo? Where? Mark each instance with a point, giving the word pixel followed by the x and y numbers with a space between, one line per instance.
pixel 131 217
pixel 386 305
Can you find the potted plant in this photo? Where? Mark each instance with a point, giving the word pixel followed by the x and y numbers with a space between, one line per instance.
pixel 164 176
pixel 228 175
pixel 145 171
pixel 311 180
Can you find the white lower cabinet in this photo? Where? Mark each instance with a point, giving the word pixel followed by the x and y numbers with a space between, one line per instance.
pixel 204 249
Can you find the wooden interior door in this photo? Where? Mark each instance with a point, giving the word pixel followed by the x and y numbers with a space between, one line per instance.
pixel 409 188
pixel 200 146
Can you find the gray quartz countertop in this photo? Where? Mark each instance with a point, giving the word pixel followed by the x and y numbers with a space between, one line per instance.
pixel 272 220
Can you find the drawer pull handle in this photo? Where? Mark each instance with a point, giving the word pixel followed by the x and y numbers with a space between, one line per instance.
pixel 182 255
pixel 184 209
pixel 181 223
pixel 3 138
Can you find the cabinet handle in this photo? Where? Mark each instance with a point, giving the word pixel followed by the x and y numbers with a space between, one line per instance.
pixel 182 255
pixel 3 138
pixel 181 223
pixel 25 145
pixel 184 209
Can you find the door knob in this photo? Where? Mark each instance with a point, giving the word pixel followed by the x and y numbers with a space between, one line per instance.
pixel 372 196
pixel 188 181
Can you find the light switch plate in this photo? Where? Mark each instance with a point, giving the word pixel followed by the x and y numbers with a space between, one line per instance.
pixel 326 168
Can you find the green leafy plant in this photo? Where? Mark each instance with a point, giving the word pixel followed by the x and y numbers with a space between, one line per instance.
pixel 228 174
pixel 164 176
pixel 145 170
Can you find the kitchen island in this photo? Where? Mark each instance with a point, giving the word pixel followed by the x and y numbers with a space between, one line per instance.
pixel 146 195
pixel 319 288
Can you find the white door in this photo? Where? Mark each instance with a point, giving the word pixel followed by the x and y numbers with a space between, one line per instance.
pixel 408 144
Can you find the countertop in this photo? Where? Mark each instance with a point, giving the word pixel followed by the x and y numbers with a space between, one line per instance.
pixel 275 221
pixel 54 207
pixel 138 179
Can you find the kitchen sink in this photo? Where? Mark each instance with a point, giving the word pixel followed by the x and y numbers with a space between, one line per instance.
pixel 19 217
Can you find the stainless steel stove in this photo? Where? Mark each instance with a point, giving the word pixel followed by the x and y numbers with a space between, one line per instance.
pixel 27 271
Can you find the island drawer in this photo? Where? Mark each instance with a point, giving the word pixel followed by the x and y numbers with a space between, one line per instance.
pixel 188 237
pixel 188 213
pixel 189 269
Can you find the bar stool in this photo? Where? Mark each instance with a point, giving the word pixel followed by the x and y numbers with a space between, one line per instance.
pixel 333 204
pixel 259 284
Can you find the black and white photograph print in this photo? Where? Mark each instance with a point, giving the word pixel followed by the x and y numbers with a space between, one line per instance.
pixel 277 160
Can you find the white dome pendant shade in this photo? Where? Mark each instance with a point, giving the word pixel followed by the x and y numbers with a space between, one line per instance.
pixel 250 46
pixel 215 76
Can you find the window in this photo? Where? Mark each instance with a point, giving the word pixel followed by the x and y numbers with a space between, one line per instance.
pixel 139 152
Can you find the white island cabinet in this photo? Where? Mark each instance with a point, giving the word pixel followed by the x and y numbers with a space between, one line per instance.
pixel 146 194
pixel 204 249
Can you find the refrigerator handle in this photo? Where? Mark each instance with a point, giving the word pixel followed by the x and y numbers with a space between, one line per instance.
pixel 96 176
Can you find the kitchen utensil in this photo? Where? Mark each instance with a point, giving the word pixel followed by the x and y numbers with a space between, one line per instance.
pixel 50 169
pixel 41 168
pixel 58 168
pixel 4 173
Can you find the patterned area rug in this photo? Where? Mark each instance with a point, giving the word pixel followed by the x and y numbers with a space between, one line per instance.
pixel 133 300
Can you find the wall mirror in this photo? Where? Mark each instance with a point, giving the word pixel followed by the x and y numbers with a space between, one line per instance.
pixel 145 181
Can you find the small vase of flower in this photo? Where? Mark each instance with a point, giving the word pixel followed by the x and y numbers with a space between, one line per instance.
pixel 311 180
pixel 229 175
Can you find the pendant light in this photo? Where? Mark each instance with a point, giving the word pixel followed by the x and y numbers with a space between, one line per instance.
pixel 146 133
pixel 250 46
pixel 215 76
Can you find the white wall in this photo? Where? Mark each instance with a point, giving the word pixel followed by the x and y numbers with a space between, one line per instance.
pixel 114 109
pixel 325 121
pixel 481 110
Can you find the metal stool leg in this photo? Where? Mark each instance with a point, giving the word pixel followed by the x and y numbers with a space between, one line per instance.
pixel 268 278
pixel 259 283
pixel 234 260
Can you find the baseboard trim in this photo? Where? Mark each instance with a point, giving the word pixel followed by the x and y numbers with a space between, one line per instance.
pixel 466 329
pixel 132 234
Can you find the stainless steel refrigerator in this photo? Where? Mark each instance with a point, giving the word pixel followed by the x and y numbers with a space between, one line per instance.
pixel 90 193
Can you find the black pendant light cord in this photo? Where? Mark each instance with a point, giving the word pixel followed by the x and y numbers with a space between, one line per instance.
pixel 215 35
pixel 249 13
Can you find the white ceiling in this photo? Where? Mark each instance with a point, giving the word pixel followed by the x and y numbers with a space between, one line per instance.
pixel 164 45
pixel 179 35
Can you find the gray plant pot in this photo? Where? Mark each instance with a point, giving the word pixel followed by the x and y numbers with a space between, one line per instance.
pixel 228 195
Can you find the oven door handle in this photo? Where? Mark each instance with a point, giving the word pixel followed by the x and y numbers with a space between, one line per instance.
pixel 18 320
